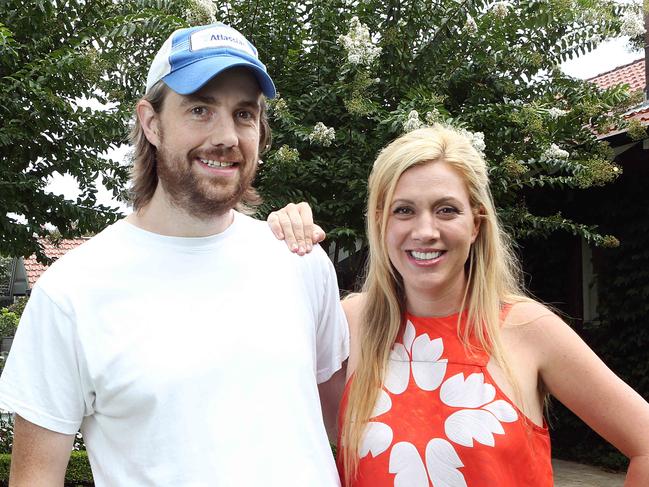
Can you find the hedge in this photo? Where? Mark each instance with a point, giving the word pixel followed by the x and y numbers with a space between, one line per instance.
pixel 78 473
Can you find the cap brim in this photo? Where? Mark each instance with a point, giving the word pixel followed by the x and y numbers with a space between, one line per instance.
pixel 193 77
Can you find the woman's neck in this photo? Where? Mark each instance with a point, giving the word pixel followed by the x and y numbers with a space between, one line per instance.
pixel 442 302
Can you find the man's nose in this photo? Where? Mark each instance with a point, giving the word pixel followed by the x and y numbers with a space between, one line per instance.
pixel 223 132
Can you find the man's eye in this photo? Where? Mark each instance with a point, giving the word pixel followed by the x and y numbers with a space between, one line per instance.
pixel 244 114
pixel 199 111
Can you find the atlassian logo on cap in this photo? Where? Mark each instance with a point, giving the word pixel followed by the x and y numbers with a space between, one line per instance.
pixel 218 37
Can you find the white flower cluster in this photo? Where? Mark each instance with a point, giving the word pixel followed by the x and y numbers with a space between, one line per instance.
pixel 280 104
pixel 470 27
pixel 322 134
pixel 6 427
pixel 554 153
pixel 432 116
pixel 412 122
pixel 287 154
pixel 278 107
pixel 201 12
pixel 517 102
pixel 358 44
pixel 595 39
pixel 554 113
pixel 78 442
pixel 476 139
pixel 632 23
pixel 500 9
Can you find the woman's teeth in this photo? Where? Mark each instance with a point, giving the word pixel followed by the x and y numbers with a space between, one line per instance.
pixel 425 255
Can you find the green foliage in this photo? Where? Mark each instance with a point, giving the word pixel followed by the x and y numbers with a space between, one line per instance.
pixel 78 472
pixel 498 76
pixel 54 57
pixel 19 306
pixel 5 268
pixel 6 434
pixel 637 131
pixel 9 318
pixel 5 464
pixel 5 273
pixel 8 322
pixel 635 22
pixel 619 334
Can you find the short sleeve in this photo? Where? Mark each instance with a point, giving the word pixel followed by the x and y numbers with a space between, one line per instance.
pixel 43 379
pixel 332 339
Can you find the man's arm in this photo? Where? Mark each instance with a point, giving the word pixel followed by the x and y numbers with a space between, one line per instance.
pixel 331 393
pixel 39 457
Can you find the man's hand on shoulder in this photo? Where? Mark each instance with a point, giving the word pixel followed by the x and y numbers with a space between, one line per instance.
pixel 294 224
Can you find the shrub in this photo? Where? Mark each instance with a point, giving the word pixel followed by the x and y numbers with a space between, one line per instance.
pixel 19 306
pixel 78 472
pixel 6 433
pixel 8 322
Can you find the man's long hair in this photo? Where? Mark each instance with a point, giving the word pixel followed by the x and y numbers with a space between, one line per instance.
pixel 144 171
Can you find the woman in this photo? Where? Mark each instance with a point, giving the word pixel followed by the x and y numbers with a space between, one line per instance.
pixel 450 362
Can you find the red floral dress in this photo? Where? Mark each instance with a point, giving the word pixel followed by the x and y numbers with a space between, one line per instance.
pixel 441 420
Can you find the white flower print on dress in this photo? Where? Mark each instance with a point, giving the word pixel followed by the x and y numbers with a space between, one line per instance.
pixel 477 419
pixel 378 436
pixel 442 464
pixel 481 422
pixel 422 355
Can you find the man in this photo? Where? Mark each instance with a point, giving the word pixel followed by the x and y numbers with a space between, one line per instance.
pixel 184 340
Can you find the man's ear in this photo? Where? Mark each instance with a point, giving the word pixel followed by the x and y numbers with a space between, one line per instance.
pixel 149 121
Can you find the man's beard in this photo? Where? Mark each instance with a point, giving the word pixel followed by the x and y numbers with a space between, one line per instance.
pixel 201 197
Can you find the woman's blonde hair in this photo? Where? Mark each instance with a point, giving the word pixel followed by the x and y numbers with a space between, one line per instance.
pixel 144 172
pixel 493 275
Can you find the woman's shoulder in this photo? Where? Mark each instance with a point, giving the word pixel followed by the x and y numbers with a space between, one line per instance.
pixel 353 302
pixel 353 305
pixel 534 326
pixel 527 312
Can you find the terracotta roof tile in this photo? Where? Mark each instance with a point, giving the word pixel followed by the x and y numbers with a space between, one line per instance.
pixel 642 115
pixel 631 74
pixel 34 268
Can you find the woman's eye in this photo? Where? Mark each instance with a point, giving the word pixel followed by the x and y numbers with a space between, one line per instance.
pixel 449 210
pixel 402 210
pixel 244 114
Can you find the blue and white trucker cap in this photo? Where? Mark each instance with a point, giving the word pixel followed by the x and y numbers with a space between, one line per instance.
pixel 191 57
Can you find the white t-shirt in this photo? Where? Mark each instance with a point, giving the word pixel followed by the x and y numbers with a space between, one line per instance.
pixel 185 361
